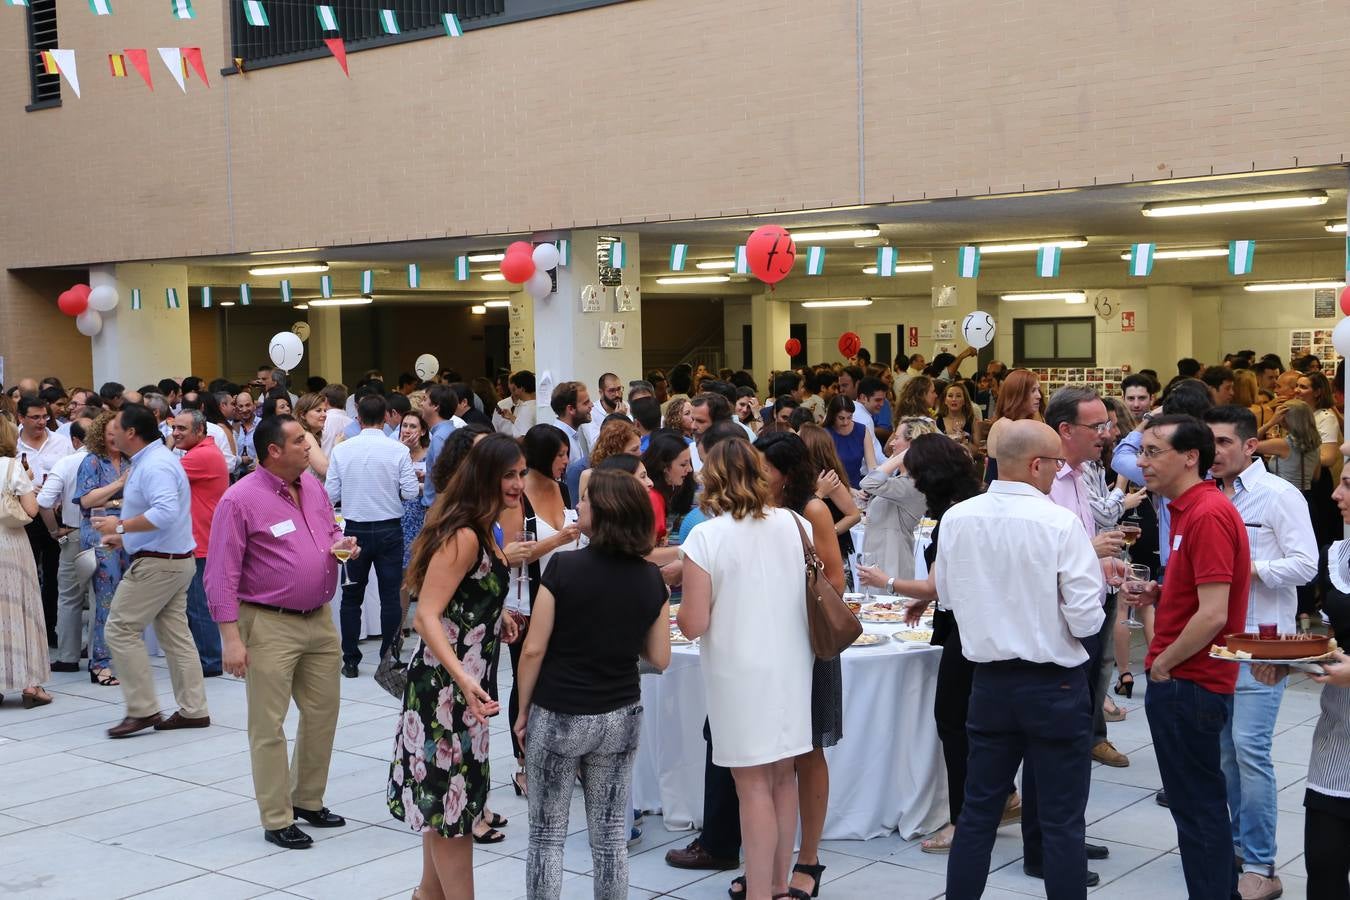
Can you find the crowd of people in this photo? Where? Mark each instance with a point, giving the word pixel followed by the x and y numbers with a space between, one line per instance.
pixel 216 522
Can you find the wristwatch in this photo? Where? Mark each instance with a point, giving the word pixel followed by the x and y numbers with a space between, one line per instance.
pixel 120 529
pixel 890 586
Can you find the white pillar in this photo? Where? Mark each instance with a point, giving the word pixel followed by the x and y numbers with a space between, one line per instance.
pixel 769 321
pixel 324 347
pixel 142 346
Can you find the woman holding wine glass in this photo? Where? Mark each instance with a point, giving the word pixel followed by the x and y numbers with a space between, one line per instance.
pixel 99 483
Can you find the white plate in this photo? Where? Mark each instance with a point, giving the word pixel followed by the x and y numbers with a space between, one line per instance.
pixel 1303 664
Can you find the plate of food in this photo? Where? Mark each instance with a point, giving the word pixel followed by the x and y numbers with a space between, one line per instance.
pixel 886 605
pixel 881 616
pixel 914 636
pixel 869 640
pixel 1301 647
pixel 1304 663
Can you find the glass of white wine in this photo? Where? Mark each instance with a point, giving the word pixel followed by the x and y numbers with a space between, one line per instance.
pixel 343 553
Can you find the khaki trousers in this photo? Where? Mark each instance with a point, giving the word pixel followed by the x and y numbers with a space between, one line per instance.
pixel 290 657
pixel 155 591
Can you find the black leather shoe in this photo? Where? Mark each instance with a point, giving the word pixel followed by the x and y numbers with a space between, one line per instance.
pixel 1093 879
pixel 290 838
pixel 65 667
pixel 1097 851
pixel 350 671
pixel 324 818
pixel 1160 798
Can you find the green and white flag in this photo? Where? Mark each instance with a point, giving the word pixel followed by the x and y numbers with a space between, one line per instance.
pixel 1240 257
pixel 815 260
pixel 135 292
pixel 368 281
pixel 206 296
pixel 452 26
pixel 1047 262
pixel 182 9
pixel 389 21
pixel 1141 259
pixel 327 18
pixel 414 276
pixel 16 2
pixel 564 252
pixel 286 291
pixel 968 262
pixel 886 261
pixel 255 14
pixel 678 254
pixel 618 255
pixel 742 263
pixel 461 268
pixel 245 295
pixel 326 286
pixel 101 7
pixel 171 298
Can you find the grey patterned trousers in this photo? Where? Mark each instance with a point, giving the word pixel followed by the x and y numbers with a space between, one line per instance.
pixel 601 749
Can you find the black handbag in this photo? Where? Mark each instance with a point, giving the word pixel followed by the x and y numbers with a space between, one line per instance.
pixel 392 672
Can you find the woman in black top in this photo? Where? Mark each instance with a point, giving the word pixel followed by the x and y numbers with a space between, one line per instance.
pixel 579 690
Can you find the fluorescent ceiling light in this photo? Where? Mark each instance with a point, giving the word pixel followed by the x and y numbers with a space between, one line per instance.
pixel 341 301
pixel 478 310
pixel 903 269
pixel 1195 253
pixel 1070 243
pixel 716 264
pixel 496 304
pixel 300 306
pixel 1336 226
pixel 486 257
pixel 1265 286
pixel 227 303
pixel 1066 296
pixel 1219 205
pixel 280 252
pixel 494 276
pixel 694 279
pixel 832 304
pixel 846 233
pixel 298 269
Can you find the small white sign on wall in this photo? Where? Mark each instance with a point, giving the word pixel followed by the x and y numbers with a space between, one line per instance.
pixel 611 335
pixel 590 299
pixel 945 331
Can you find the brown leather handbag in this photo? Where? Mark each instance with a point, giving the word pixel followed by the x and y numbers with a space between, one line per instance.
pixel 832 625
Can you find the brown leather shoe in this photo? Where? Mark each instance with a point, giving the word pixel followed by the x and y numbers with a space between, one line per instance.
pixel 178 720
pixel 1106 754
pixel 695 856
pixel 130 725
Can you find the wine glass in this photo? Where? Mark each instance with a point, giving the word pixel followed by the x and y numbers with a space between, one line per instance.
pixel 1136 576
pixel 343 554
pixel 870 561
pixel 523 571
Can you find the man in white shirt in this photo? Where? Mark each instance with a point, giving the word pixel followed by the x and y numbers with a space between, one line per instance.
pixel 517 414
pixel 38 451
pixel 1284 556
pixel 244 407
pixel 57 498
pixel 572 405
pixel 336 420
pixel 611 402
pixel 1024 626
pixel 871 397
pixel 370 476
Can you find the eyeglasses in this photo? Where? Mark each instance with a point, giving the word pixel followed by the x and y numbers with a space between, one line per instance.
pixel 1099 427
pixel 1154 452
pixel 1057 460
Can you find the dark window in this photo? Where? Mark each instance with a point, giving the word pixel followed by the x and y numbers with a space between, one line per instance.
pixel 882 354
pixel 1055 342
pixel 747 349
pixel 798 330
pixel 46 89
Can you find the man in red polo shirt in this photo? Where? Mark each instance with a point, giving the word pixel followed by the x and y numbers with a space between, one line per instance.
pixel 1190 695
pixel 208 477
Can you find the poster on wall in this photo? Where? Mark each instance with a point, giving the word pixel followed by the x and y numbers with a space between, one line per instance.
pixel 590 299
pixel 1324 303
pixel 945 331
pixel 611 335
pixel 1127 320
pixel 1316 341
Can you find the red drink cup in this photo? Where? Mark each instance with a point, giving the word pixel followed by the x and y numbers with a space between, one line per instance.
pixel 1268 631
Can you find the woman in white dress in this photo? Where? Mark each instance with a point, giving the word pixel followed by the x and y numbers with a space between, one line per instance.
pixel 745 596
pixel 24 664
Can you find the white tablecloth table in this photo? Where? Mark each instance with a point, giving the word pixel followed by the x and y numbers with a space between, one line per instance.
pixel 886 774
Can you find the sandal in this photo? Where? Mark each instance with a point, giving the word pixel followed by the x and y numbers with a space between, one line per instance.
pixel 938 843
pixel 1125 688
pixel 794 893
pixel 813 872
pixel 738 881
pixel 36 697
pixel 496 821
pixel 491 836
pixel 518 782
pixel 103 677
pixel 1111 712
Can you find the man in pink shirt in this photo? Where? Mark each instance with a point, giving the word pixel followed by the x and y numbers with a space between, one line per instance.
pixel 208 477
pixel 270 574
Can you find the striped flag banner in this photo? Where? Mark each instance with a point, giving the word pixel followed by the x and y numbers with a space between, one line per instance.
pixel 101 7
pixel 618 255
pixel 564 252
pixel 414 276
pixel 815 260
pixel 117 64
pixel 286 291
pixel 742 262
pixel 452 26
pixel 48 63
pixel 886 261
pixel 389 21
pixel 254 13
pixel 368 281
pixel 1240 255
pixel 173 60
pixel 140 61
pixel 65 64
pixel 1141 259
pixel 326 286
pixel 1047 262
pixel 206 296
pixel 327 18
pixel 461 268
pixel 245 295
pixel 171 298
pixel 678 254
pixel 16 2
pixel 968 262
pixel 182 9
pixel 135 298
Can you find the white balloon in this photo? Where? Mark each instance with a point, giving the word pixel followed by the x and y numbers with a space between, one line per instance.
pixel 89 322
pixel 286 350
pixel 427 366
pixel 546 257
pixel 1340 337
pixel 103 298
pixel 978 329
pixel 540 284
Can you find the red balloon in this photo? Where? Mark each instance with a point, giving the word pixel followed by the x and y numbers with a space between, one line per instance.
pixel 1345 300
pixel 770 251
pixel 82 290
pixel 72 302
pixel 793 347
pixel 519 247
pixel 849 344
pixel 519 264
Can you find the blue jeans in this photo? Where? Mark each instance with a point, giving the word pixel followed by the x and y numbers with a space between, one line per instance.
pixel 1249 772
pixel 205 634
pixel 381 546
pixel 1187 722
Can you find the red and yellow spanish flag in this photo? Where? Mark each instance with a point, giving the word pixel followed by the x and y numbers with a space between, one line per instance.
pixel 48 63
pixel 117 64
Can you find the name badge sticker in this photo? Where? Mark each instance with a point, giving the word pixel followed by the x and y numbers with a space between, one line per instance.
pixel 283 528
pixel 1176 542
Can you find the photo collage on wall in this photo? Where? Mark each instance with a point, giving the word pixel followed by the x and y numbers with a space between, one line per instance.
pixel 1105 381
pixel 1316 341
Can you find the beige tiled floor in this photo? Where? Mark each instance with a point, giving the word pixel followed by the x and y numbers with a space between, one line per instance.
pixel 170 815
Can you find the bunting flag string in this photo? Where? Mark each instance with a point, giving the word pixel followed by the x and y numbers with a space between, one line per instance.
pixel 1141 259
pixel 338 47
pixel 48 63
pixel 389 21
pixel 245 294
pixel 64 61
pixel 135 298
pixel 193 57
pixel 326 286
pixel 182 9
pixel 414 275
pixel 815 260
pixel 1240 255
pixel 678 254
pixel 117 64
pixel 286 291
pixel 100 7
pixel 461 268
pixel 254 13
pixel 16 2
pixel 327 18
pixel 140 61
pixel 171 298
pixel 1047 262
pixel 452 27
pixel 368 282
pixel 173 59
pixel 564 252
pixel 886 261
pixel 968 262
pixel 206 296
pixel 742 266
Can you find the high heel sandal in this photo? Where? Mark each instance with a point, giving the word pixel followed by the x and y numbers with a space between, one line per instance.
pixel 1125 688
pixel 516 782
pixel 107 679
pixel 31 700
pixel 814 872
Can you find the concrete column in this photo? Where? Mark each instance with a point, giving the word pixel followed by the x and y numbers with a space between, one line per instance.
pixel 1170 328
pixel 567 340
pixel 142 346
pixel 945 275
pixel 769 321
pixel 324 347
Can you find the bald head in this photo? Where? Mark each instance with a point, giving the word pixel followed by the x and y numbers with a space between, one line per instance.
pixel 1027 451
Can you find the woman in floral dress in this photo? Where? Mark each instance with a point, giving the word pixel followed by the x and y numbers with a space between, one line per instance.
pixel 99 484
pixel 439 779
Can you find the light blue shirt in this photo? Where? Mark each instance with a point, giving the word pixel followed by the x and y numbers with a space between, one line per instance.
pixel 439 433
pixel 1125 461
pixel 354 428
pixel 157 488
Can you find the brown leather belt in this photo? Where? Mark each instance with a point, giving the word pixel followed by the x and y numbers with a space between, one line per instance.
pixel 281 609
pixel 155 554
